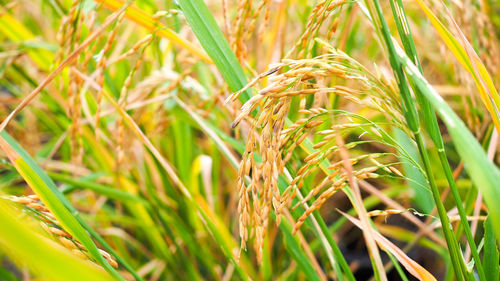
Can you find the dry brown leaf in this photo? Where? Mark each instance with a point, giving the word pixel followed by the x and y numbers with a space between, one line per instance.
pixel 413 267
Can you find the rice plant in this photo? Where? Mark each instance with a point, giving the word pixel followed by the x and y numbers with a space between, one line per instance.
pixel 249 140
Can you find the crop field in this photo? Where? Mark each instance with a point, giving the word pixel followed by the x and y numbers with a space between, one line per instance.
pixel 249 140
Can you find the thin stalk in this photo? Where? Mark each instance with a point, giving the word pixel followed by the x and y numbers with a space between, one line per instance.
pixel 108 248
pixel 412 119
pixel 396 264
pixel 457 261
pixel 461 213
pixel 336 251
pixel 357 202
pixel 433 129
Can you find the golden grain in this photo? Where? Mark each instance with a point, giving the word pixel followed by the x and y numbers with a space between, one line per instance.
pixel 269 137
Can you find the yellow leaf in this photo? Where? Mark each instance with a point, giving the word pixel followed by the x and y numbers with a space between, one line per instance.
pixel 468 58
pixel 143 19
pixel 16 32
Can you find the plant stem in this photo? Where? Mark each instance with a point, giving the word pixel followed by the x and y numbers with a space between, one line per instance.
pixel 457 262
pixel 433 128
pixel 412 119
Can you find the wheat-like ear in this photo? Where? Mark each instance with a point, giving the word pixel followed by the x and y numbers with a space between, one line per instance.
pixel 275 143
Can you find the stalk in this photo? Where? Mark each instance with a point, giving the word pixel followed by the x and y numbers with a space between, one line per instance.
pixel 433 129
pixel 411 117
pixel 336 251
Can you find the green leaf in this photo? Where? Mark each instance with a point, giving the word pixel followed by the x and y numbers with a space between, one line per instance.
pixel 107 191
pixel 213 41
pixel 418 182
pixel 292 246
pixel 490 258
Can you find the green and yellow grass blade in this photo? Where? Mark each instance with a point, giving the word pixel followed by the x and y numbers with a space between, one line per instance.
pixel 55 201
pixel 468 58
pixel 44 257
pixel 16 32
